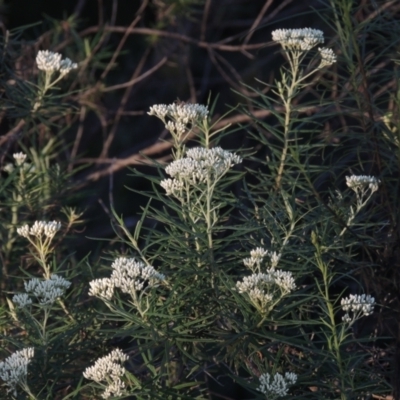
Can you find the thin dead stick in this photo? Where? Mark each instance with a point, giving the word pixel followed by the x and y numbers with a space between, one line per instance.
pixel 119 47
pixel 156 148
pixel 124 100
pixel 78 137
pixel 13 132
pixel 204 20
pixel 138 79
pixel 257 21
pixel 272 14
pixel 148 31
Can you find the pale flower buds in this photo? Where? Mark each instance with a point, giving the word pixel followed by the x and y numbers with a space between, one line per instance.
pixel 328 57
pixel 14 369
pixel 49 61
pixel 360 305
pixel 108 371
pixel 19 158
pixel 182 113
pixel 362 182
pixel 276 385
pixel 129 276
pixel 197 167
pixel 46 291
pixel 298 39
pixel 40 229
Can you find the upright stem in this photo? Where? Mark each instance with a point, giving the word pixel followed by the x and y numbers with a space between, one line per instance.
pixel 287 102
pixel 209 224
pixel 287 93
pixel 334 345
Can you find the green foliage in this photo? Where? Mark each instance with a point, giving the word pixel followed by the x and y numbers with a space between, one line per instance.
pixel 254 266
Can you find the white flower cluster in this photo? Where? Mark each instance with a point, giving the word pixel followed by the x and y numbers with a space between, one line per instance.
pixel 199 165
pixel 108 370
pixel 19 158
pixel 19 162
pixel 298 39
pixel 49 61
pixel 46 291
pixel 39 229
pixel 66 66
pixel 102 288
pixel 22 300
pixel 128 275
pixel 362 182
pixel 172 187
pixel 14 369
pixel 278 385
pixel 361 305
pixel 176 128
pixel 181 113
pixel 255 283
pixel 264 290
pixel 257 256
pixel 328 57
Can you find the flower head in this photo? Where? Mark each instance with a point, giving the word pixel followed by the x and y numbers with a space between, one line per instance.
pixel 40 229
pixel 14 369
pixel 66 66
pixel 49 61
pixel 9 168
pixel 108 371
pixel 176 128
pixel 328 57
pixel 277 385
pixel 362 182
pixel 264 290
pixel 19 158
pixel 102 288
pixel 183 113
pixel 129 275
pixel 360 305
pixel 172 187
pixel 199 165
pixel 47 291
pixel 257 256
pixel 22 300
pixel 298 39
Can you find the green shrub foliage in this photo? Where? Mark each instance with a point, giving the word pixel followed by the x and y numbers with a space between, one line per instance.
pixel 258 266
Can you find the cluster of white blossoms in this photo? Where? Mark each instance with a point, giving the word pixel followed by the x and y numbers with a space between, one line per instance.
pixel 40 229
pixel 108 371
pixel 298 39
pixel 256 283
pixel 360 305
pixel 257 256
pixel 278 385
pixel 49 61
pixel 19 160
pixel 328 57
pixel 264 290
pixel 183 113
pixel 46 291
pixel 14 369
pixel 361 183
pixel 176 128
pixel 303 40
pixel 199 165
pixel 128 275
